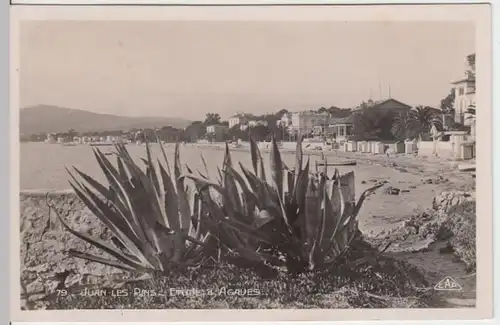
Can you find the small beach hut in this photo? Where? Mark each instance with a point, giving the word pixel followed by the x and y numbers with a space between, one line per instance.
pixel 352 146
pixel 410 146
pixel 399 147
pixel 365 147
pixel 378 148
pixel 467 151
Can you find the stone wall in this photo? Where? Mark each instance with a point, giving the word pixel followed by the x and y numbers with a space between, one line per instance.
pixel 44 242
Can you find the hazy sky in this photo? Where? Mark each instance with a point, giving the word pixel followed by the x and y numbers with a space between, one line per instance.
pixel 186 69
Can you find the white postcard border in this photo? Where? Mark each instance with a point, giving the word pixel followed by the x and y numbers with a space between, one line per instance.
pixel 480 14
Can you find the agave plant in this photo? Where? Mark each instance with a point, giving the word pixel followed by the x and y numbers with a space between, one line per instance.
pixel 296 219
pixel 155 225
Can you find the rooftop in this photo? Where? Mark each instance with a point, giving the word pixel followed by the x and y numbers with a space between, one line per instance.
pixel 309 113
pixel 375 104
pixel 242 115
pixel 466 79
pixel 341 120
pixel 338 121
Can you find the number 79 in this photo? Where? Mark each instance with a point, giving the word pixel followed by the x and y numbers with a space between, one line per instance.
pixel 62 292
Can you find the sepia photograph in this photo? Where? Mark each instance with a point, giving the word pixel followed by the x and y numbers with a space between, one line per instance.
pixel 215 164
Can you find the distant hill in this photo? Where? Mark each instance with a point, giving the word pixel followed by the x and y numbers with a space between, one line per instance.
pixel 46 118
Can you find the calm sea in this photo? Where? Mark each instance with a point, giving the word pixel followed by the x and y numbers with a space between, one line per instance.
pixel 42 166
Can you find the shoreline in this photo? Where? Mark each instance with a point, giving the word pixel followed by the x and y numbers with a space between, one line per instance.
pixel 401 159
pixel 426 166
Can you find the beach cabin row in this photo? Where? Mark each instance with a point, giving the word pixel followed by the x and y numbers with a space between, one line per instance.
pixel 365 147
pixel 376 147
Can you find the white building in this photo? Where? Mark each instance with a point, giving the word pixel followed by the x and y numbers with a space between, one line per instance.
pixel 465 96
pixel 238 119
pixel 304 122
pixel 235 120
pixel 216 129
pixel 254 123
pixel 217 132
pixel 285 120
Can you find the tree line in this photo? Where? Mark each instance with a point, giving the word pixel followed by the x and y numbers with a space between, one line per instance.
pixel 368 124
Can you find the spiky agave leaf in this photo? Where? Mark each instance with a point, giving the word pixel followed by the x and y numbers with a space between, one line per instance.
pixel 313 224
pixel 152 208
pixel 276 168
pixel 135 197
pixel 290 179
pixel 257 161
pixel 249 200
pixel 298 156
pixel 326 226
pixel 110 215
pixel 312 214
pixel 235 217
pixel 347 187
pixel 237 234
pixel 126 194
pixel 124 261
pixel 184 208
pixel 101 260
pixel 163 152
pixel 137 208
pixel 207 174
pixel 229 183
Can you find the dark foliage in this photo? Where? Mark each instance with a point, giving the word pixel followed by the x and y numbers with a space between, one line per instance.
pixel 372 124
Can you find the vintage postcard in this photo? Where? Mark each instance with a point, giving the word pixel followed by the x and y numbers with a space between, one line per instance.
pixel 251 163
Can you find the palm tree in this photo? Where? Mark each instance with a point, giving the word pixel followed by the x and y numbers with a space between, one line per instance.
pixel 446 106
pixel 425 118
pixel 402 126
pixel 415 123
pixel 471 112
pixel 471 66
pixel 471 109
